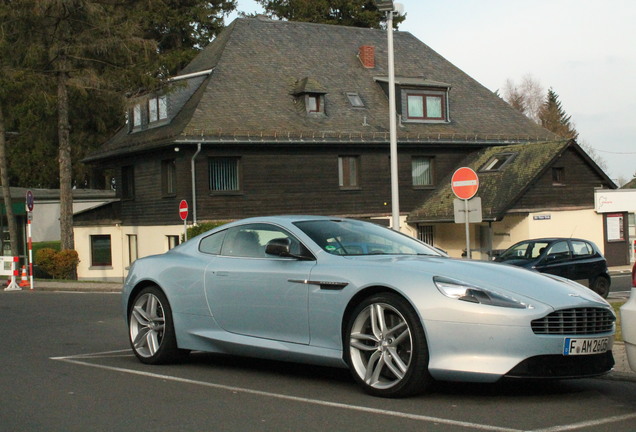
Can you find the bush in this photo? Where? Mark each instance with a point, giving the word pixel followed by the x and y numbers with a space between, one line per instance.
pixel 45 258
pixel 59 264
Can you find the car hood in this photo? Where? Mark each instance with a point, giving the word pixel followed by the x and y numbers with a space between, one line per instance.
pixel 526 285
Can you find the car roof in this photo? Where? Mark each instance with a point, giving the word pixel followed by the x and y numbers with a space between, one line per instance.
pixel 553 239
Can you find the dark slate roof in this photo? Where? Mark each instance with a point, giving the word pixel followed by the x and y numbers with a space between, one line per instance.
pixel 530 161
pixel 257 64
pixel 630 185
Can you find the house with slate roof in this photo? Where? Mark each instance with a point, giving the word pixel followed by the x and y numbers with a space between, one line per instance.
pixel 278 117
pixel 544 189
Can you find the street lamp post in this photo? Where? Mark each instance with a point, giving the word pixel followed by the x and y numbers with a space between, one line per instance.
pixel 388 7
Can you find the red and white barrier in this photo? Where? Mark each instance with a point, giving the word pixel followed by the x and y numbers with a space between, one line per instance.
pixel 13 286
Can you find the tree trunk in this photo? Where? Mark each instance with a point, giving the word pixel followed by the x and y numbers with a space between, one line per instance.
pixel 6 191
pixel 66 193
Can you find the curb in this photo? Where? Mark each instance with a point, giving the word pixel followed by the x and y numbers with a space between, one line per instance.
pixel 76 286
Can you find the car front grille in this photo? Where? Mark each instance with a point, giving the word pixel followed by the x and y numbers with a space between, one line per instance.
pixel 576 321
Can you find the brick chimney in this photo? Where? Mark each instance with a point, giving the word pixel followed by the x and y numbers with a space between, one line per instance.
pixel 366 54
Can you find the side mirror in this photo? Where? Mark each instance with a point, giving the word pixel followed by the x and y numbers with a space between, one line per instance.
pixel 279 247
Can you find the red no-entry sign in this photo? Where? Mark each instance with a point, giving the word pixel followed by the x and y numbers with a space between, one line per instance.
pixel 465 183
pixel 183 210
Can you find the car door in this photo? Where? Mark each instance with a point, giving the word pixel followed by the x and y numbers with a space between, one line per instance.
pixel 557 260
pixel 586 263
pixel 255 294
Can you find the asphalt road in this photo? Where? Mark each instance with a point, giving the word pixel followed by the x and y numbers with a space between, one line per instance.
pixel 66 366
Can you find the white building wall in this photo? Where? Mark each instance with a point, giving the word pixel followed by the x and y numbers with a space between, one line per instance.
pixel 151 240
pixel 586 224
pixel 45 225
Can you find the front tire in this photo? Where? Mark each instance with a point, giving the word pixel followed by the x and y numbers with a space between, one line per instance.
pixel 151 328
pixel 601 286
pixel 386 348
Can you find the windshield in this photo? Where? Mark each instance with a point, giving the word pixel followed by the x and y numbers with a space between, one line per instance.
pixel 349 237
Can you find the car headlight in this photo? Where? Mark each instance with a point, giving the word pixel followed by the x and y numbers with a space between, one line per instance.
pixel 470 293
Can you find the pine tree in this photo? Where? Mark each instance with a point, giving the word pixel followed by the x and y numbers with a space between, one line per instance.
pixel 354 13
pixel 71 44
pixel 554 118
pixel 79 57
pixel 182 27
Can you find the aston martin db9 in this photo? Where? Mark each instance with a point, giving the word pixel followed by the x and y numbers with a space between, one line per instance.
pixel 353 294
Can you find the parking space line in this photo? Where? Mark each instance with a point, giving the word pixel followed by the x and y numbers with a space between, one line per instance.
pixel 80 360
pixel 589 423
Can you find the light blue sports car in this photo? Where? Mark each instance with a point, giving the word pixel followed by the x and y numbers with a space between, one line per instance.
pixel 347 293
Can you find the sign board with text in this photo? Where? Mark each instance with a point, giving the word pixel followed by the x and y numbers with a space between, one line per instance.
pixel 474 210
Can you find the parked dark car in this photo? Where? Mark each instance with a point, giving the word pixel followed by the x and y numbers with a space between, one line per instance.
pixel 575 259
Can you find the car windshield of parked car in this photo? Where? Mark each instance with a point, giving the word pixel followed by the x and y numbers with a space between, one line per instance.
pixel 524 251
pixel 347 237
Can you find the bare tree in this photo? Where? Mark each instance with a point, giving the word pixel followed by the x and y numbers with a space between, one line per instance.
pixel 527 97
pixel 534 95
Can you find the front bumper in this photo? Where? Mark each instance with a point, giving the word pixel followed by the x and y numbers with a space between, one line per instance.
pixel 486 353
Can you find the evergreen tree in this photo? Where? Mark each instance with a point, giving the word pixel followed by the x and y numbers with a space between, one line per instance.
pixel 354 13
pixel 554 118
pixel 182 27
pixel 71 44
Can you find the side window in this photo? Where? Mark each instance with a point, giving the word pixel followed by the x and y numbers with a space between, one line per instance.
pixel 101 251
pixel 348 172
pixel 537 249
pixel 212 243
pixel 168 177
pixel 422 171
pixel 224 174
pixel 559 251
pixel 128 182
pixel 581 249
pixel 250 240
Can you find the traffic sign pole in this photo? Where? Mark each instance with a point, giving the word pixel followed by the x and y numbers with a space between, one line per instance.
pixel 183 214
pixel 29 207
pixel 465 184
pixel 468 254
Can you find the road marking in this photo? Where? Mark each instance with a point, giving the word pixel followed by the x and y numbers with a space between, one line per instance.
pixel 589 423
pixel 79 360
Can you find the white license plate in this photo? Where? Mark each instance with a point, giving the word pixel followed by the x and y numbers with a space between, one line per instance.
pixel 585 346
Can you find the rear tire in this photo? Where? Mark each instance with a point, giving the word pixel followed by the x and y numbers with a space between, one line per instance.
pixel 151 328
pixel 386 348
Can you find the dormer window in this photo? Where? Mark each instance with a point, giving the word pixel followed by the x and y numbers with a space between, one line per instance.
pixel 420 100
pixel 312 95
pixel 157 108
pixel 136 115
pixel 425 106
pixel 144 114
pixel 313 103
pixel 498 162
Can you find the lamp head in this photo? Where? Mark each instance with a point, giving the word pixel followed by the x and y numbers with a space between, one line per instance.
pixel 384 5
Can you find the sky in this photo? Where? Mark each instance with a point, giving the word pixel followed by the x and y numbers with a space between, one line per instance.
pixel 585 50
